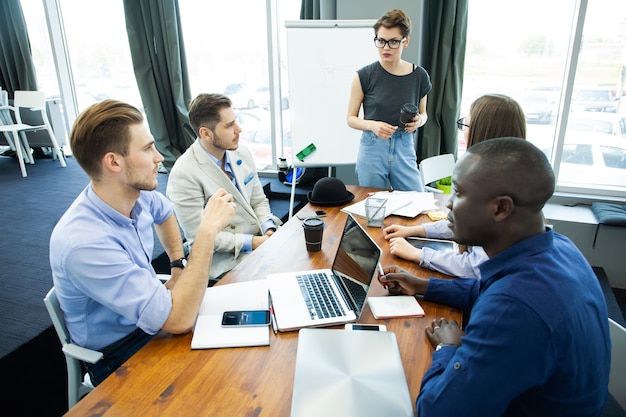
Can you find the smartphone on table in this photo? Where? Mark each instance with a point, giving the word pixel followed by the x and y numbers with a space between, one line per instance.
pixel 372 327
pixel 303 214
pixel 246 318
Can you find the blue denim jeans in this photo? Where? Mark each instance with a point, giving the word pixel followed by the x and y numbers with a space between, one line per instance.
pixel 381 162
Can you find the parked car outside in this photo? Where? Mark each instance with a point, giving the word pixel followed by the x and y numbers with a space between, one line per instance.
pixel 611 124
pixel 243 96
pixel 250 122
pixel 257 137
pixel 264 100
pixel 260 144
pixel 592 159
pixel 594 99
pixel 537 107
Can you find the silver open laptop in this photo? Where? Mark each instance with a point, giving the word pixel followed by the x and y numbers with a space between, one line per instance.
pixel 325 297
pixel 349 373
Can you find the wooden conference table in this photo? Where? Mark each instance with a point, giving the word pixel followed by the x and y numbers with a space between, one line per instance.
pixel 166 377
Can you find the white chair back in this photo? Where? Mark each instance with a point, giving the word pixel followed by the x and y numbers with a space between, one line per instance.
pixel 435 168
pixel 35 100
pixel 78 384
pixel 617 377
pixel 29 99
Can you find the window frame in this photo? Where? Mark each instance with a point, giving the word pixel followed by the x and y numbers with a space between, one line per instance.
pixel 564 194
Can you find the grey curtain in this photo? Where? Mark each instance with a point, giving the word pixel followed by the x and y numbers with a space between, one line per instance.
pixel 310 9
pixel 443 42
pixel 158 53
pixel 17 71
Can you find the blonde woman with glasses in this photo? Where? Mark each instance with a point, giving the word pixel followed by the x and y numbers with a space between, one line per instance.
pixel 387 150
pixel 490 116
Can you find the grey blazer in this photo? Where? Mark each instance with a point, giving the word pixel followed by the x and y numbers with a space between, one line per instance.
pixel 195 177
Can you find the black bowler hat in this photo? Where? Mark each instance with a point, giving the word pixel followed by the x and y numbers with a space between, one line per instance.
pixel 329 191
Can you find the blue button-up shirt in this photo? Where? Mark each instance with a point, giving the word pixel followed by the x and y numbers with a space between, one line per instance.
pixel 102 272
pixel 537 340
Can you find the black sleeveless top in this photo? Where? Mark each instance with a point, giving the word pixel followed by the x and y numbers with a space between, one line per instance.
pixel 385 93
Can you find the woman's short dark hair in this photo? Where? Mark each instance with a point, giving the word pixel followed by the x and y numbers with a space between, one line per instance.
pixel 395 18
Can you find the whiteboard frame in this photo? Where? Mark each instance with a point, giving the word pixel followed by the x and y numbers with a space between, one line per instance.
pixel 346 153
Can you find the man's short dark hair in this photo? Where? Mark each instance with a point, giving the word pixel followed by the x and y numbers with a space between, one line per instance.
pixel 204 111
pixel 99 129
pixel 515 167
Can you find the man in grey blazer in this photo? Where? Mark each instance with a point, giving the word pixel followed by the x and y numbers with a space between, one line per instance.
pixel 216 160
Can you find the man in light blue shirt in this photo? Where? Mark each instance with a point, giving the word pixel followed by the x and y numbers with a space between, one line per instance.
pixel 101 248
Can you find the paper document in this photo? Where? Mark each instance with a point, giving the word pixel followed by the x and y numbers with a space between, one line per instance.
pixel 209 332
pixel 399 203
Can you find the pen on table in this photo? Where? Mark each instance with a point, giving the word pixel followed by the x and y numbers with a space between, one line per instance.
pixel 377 211
pixel 273 318
pixel 271 309
pixel 382 274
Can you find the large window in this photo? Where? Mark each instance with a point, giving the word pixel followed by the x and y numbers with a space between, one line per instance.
pixel 524 53
pixel 98 51
pixel 40 47
pixel 575 113
pixel 227 52
pixel 93 51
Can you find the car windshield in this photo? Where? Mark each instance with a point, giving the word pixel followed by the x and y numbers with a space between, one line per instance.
pixel 577 154
pixel 614 157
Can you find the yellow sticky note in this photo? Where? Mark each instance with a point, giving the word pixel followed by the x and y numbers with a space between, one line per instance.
pixel 437 215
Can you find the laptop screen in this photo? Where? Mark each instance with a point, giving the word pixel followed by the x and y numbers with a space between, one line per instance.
pixel 356 263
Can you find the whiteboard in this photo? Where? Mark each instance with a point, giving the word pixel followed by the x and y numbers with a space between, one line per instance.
pixel 323 57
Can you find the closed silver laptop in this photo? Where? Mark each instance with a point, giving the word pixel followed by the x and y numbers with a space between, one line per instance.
pixel 349 373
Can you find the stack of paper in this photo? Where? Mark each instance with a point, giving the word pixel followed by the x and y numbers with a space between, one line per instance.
pixel 399 203
pixel 209 333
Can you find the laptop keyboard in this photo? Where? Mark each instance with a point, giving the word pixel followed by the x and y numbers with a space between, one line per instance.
pixel 356 291
pixel 319 296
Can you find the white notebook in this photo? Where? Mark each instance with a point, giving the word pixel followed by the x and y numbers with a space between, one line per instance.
pixel 208 332
pixel 395 306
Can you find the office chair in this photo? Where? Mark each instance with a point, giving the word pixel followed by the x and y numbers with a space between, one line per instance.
pixel 436 168
pixel 617 378
pixel 78 383
pixel 35 101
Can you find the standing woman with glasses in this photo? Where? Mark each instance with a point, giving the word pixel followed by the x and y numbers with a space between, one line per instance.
pixel 491 116
pixel 387 148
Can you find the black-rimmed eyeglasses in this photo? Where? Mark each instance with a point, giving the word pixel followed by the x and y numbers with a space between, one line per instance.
pixel 461 124
pixel 393 43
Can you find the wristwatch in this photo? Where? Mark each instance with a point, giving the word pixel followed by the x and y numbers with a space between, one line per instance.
pixel 179 263
pixel 441 345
